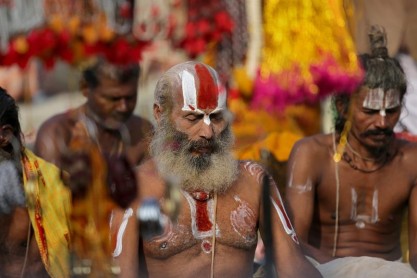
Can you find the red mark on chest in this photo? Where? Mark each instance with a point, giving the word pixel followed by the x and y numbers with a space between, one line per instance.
pixel 203 221
pixel 206 246
pixel 208 92
pixel 202 215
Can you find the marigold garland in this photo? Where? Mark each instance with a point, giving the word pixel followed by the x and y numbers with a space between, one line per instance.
pixel 308 53
pixel 259 130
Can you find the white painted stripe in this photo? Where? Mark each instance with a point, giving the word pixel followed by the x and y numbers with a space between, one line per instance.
pixel 119 241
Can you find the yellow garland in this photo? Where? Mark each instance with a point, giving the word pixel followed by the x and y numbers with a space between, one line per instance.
pixel 300 32
pixel 258 130
pixel 277 143
pixel 242 81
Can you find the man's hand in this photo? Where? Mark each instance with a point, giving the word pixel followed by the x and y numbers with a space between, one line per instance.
pixel 121 180
pixel 76 172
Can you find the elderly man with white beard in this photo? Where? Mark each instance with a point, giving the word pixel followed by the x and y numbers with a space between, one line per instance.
pixel 220 205
pixel 33 206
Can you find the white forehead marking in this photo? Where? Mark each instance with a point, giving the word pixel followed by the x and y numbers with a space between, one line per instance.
pixel 377 99
pixel 382 112
pixel 206 119
pixel 392 98
pixel 221 100
pixel 374 99
pixel 189 93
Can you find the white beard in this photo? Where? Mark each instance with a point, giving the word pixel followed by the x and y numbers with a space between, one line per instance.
pixel 215 173
pixel 11 188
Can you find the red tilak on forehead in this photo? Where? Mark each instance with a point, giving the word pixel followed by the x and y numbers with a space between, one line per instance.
pixel 208 92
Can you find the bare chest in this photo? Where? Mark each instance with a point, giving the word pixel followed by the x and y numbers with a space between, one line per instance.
pixel 19 253
pixel 364 198
pixel 229 221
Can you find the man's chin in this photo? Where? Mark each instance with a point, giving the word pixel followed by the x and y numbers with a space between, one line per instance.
pixel 112 124
pixel 200 155
pixel 381 139
pixel 378 145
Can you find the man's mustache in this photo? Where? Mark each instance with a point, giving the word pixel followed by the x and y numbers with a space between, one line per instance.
pixel 209 144
pixel 215 144
pixel 372 132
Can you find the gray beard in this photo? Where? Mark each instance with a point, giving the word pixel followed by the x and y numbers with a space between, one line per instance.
pixel 11 180
pixel 212 173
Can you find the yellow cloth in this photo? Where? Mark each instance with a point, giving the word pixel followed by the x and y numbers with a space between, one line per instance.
pixel 49 207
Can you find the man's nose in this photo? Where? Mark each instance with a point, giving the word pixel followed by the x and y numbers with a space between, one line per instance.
pixel 122 105
pixel 206 130
pixel 381 121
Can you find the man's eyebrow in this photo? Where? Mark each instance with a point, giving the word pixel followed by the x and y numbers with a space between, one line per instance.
pixel 193 113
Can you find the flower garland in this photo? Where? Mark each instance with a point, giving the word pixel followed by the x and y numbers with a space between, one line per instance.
pixel 308 53
pixel 207 23
pixel 74 38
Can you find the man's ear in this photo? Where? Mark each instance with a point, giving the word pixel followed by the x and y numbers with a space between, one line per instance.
pixel 84 88
pixel 157 112
pixel 340 107
pixel 6 134
pixel 343 107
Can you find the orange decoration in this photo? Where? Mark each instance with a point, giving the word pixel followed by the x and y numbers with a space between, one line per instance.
pixel 20 45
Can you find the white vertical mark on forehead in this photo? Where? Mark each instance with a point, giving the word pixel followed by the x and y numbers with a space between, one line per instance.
pixel 206 119
pixel 189 91
pixel 382 112
pixel 392 98
pixel 374 99
pixel 221 100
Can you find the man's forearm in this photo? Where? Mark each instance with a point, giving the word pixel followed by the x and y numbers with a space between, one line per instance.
pixel 315 253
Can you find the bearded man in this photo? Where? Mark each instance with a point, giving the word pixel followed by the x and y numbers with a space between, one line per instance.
pixel 34 205
pixel 220 213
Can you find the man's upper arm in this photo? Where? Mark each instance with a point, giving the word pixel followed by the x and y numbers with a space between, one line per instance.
pixel 289 259
pixel 300 187
pixel 127 241
pixel 412 227
pixel 46 145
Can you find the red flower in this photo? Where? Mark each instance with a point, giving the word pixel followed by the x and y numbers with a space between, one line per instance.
pixel 190 30
pixel 223 21
pixel 125 10
pixel 203 27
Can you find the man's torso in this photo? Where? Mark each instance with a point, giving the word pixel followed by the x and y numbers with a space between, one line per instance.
pixel 189 239
pixel 132 139
pixel 19 252
pixel 370 206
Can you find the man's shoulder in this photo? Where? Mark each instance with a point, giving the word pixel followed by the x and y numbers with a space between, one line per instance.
pixel 250 166
pixel 150 182
pixel 60 120
pixel 407 150
pixel 251 172
pixel 314 144
pixel 139 120
pixel 147 170
pixel 141 126
pixel 316 139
